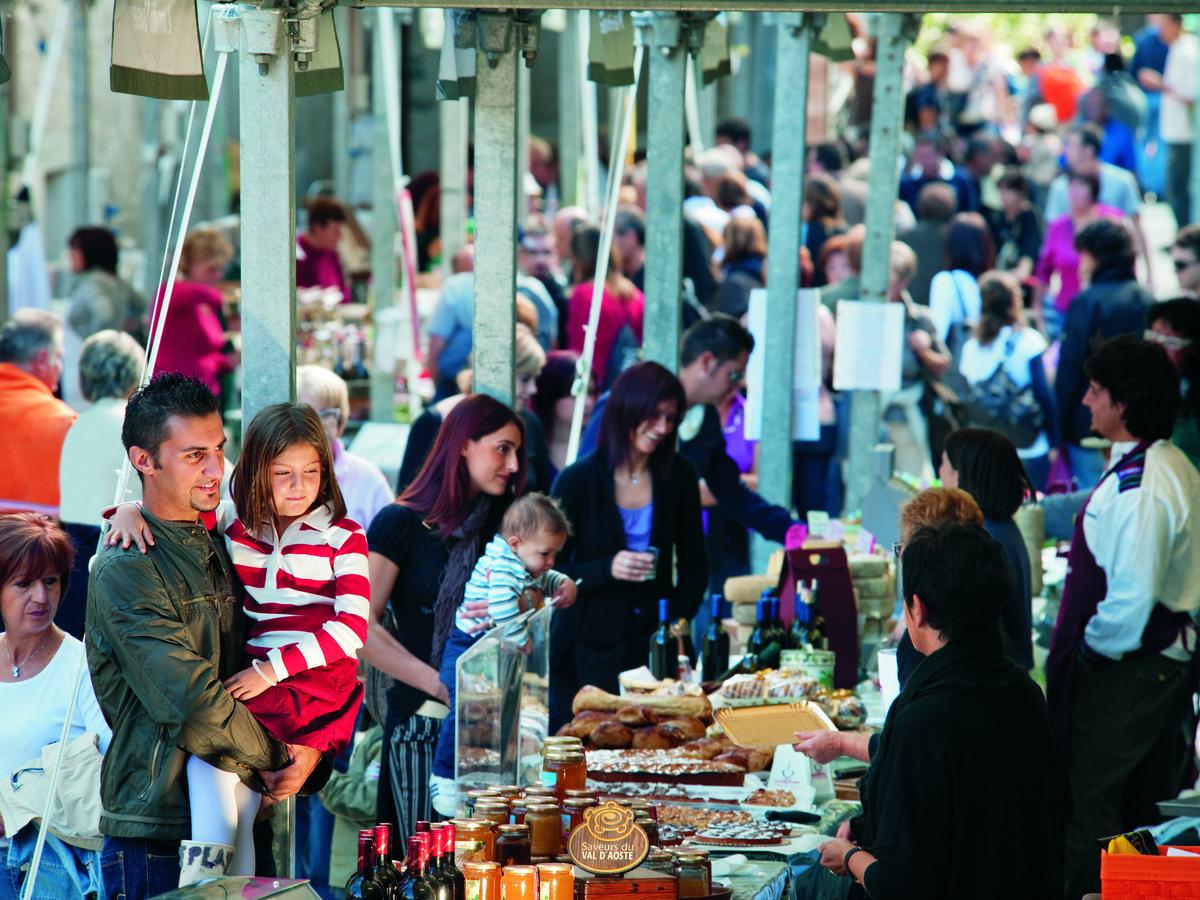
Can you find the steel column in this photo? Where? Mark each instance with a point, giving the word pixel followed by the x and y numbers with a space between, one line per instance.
pixel 497 58
pixel 342 101
pixel 895 34
pixel 795 31
pixel 664 204
pixel 523 131
pixel 383 216
pixel 81 126
pixel 268 178
pixel 452 124
pixel 153 239
pixel 569 138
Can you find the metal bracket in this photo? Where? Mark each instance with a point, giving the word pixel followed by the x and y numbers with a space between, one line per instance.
pixel 529 34
pixel 657 30
pixel 494 35
pixel 304 40
pixel 227 27
pixel 796 22
pixel 262 34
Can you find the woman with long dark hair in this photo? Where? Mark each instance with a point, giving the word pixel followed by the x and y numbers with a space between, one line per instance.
pixel 422 551
pixel 985 464
pixel 635 508
pixel 554 405
pixel 954 301
pixel 821 212
pixel 621 305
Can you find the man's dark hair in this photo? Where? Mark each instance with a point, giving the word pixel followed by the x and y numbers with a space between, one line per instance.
pixel 1091 179
pixel 721 335
pixel 323 210
pixel 1091 134
pixel 978 146
pixel 97 246
pixel 937 54
pixel 830 155
pixel 631 219
pixel 1109 242
pixel 1177 18
pixel 735 130
pixel 1013 180
pixel 989 470
pixel 968 244
pixel 936 202
pixel 1030 53
pixel 960 575
pixel 1139 374
pixel 1188 238
pixel 150 407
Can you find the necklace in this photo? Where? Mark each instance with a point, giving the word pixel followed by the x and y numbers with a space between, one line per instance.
pixel 15 669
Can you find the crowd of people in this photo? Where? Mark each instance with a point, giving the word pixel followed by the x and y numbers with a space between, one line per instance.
pixel 289 623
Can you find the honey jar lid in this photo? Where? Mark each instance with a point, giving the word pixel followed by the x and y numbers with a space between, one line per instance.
pixel 519 870
pixel 579 802
pixel 562 741
pixel 658 856
pixel 691 857
pixel 483 792
pixel 470 823
pixel 555 868
pixel 479 867
pixel 541 807
pixel 513 829
pixel 578 793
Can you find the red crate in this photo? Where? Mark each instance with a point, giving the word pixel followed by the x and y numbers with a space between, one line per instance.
pixel 1129 876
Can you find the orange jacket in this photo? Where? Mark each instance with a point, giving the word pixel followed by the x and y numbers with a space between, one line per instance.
pixel 35 424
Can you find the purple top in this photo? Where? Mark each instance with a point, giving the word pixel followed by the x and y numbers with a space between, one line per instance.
pixel 1059 255
pixel 320 268
pixel 740 449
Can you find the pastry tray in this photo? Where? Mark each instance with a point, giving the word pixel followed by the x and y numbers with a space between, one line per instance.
pixel 770 726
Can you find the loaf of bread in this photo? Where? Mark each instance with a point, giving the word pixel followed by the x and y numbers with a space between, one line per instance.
pixel 738 756
pixel 651 738
pixel 682 729
pixel 584 724
pixel 612 736
pixel 637 716
pixel 593 698
pixel 705 748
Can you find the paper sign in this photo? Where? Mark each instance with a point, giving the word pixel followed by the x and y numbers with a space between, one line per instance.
pixel 870 342
pixel 836 530
pixel 818 523
pixel 806 368
pixel 864 541
pixel 792 771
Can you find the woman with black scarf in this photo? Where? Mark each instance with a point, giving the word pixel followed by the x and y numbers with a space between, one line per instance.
pixel 967 794
pixel 423 548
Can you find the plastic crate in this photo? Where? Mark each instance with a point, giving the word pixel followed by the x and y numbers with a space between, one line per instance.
pixel 1128 876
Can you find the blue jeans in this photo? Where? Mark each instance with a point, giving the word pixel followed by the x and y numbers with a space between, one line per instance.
pixel 457 643
pixel 133 869
pixel 65 871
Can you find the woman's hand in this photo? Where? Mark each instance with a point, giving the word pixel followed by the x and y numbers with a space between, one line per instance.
pixel 248 683
pixel 844 832
pixel 567 593
pixel 128 526
pixel 630 566
pixel 820 746
pixel 833 852
pixel 920 342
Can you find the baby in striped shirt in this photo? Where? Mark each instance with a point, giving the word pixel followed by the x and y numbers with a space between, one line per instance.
pixel 514 575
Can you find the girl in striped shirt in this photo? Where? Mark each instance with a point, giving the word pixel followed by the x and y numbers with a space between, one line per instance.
pixel 304 567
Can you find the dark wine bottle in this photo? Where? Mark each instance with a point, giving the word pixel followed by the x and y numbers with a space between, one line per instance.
pixel 449 866
pixel 798 636
pixel 818 632
pixel 416 884
pixel 443 887
pixel 777 631
pixel 664 657
pixel 386 872
pixel 715 658
pixel 758 639
pixel 362 884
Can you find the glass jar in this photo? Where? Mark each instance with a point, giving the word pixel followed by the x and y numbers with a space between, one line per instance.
pixel 545 828
pixel 694 874
pixel 474 796
pixel 581 794
pixel 474 841
pixel 660 861
pixel 557 881
pixel 512 845
pixel 564 769
pixel 519 883
pixel 649 826
pixel 482 880
pixel 536 793
pixel 572 815
pixel 516 811
pixel 495 811
pixel 509 792
pixel 644 807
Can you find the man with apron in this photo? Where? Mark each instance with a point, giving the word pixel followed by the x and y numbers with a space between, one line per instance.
pixel 1120 676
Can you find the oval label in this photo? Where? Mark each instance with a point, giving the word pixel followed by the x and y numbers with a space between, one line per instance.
pixel 608 842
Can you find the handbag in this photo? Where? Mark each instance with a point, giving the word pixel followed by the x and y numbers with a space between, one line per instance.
pixel 999 404
pixel 960 328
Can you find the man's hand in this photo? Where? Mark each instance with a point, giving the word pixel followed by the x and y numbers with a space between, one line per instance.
pixel 819 746
pixel 833 853
pixel 248 683
pixel 285 782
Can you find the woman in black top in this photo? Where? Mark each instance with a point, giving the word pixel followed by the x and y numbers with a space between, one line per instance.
pixel 985 464
pixel 630 499
pixel 422 551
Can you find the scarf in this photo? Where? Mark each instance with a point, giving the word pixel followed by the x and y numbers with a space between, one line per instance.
pixel 463 556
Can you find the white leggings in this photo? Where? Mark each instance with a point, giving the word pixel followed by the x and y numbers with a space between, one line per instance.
pixel 223 812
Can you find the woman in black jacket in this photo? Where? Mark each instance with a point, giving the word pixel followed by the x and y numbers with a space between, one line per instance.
pixel 634 506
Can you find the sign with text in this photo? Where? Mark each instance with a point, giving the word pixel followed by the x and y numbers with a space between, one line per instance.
pixel 608 842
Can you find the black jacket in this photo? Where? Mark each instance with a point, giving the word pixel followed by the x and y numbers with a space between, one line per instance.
pixel 609 627
pixel 1113 305
pixel 967 793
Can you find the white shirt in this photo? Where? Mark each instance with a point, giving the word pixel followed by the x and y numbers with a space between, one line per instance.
pixel 953 297
pixel 364 488
pixel 1145 539
pixel 978 362
pixel 1175 116
pixel 92 457
pixel 32 710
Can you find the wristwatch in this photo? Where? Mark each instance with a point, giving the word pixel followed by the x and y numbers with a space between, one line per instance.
pixel 846 860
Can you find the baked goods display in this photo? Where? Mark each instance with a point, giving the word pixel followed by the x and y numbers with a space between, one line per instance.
pixel 743 835
pixel 666 706
pixel 698 818
pixel 661 766
pixel 779 799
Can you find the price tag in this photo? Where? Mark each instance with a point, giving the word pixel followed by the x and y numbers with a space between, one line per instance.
pixel 792 772
pixel 836 530
pixel 818 523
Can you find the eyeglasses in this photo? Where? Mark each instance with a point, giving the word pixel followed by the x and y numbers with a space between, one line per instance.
pixel 331 414
pixel 1168 341
pixel 897 549
pixel 736 376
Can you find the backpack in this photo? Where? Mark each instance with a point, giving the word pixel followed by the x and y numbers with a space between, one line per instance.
pixel 999 404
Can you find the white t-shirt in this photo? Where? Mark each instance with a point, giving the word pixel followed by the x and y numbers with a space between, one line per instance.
pixel 978 362
pixel 953 297
pixel 92 457
pixel 1175 116
pixel 32 710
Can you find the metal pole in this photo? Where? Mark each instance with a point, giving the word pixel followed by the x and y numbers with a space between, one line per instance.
pixel 569 139
pixel 80 137
pixel 895 30
pixel 452 123
pixel 4 162
pixel 268 177
pixel 497 58
pixel 1195 185
pixel 341 109
pixel 383 216
pixel 523 130
pixel 795 31
pixel 664 204
pixel 151 213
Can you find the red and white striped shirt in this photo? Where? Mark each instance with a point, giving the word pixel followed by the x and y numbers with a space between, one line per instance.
pixel 308 591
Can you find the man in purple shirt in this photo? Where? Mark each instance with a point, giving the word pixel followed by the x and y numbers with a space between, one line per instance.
pixel 317 261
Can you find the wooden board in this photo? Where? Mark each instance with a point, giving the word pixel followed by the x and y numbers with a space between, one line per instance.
pixel 641 882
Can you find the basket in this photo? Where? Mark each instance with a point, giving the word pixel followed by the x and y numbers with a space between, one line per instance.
pixel 1127 876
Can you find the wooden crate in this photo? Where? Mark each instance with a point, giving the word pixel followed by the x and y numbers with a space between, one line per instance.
pixel 643 883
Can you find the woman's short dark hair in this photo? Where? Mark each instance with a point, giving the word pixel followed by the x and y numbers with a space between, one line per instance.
pixel 1183 316
pixel 1139 374
pixel 323 210
pixel 1090 180
pixel 989 470
pixel 97 246
pixel 634 398
pixel 32 546
pixel 150 408
pixel 960 575
pixel 824 198
pixel 969 244
pixel 1109 242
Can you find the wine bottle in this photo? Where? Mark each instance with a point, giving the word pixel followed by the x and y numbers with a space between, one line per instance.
pixel 362 884
pixel 416 884
pixel 778 632
pixel 818 632
pixel 386 872
pixel 664 658
pixel 715 658
pixel 449 867
pixel 758 639
pixel 443 887
pixel 798 636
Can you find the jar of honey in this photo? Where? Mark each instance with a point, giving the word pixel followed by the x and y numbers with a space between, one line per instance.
pixel 474 796
pixel 694 874
pixel 557 881
pixel 513 846
pixel 545 828
pixel 492 810
pixel 537 793
pixel 572 815
pixel 474 841
pixel 482 880
pixel 516 811
pixel 649 826
pixel 581 794
pixel 509 792
pixel 519 883
pixel 660 861
pixel 564 768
